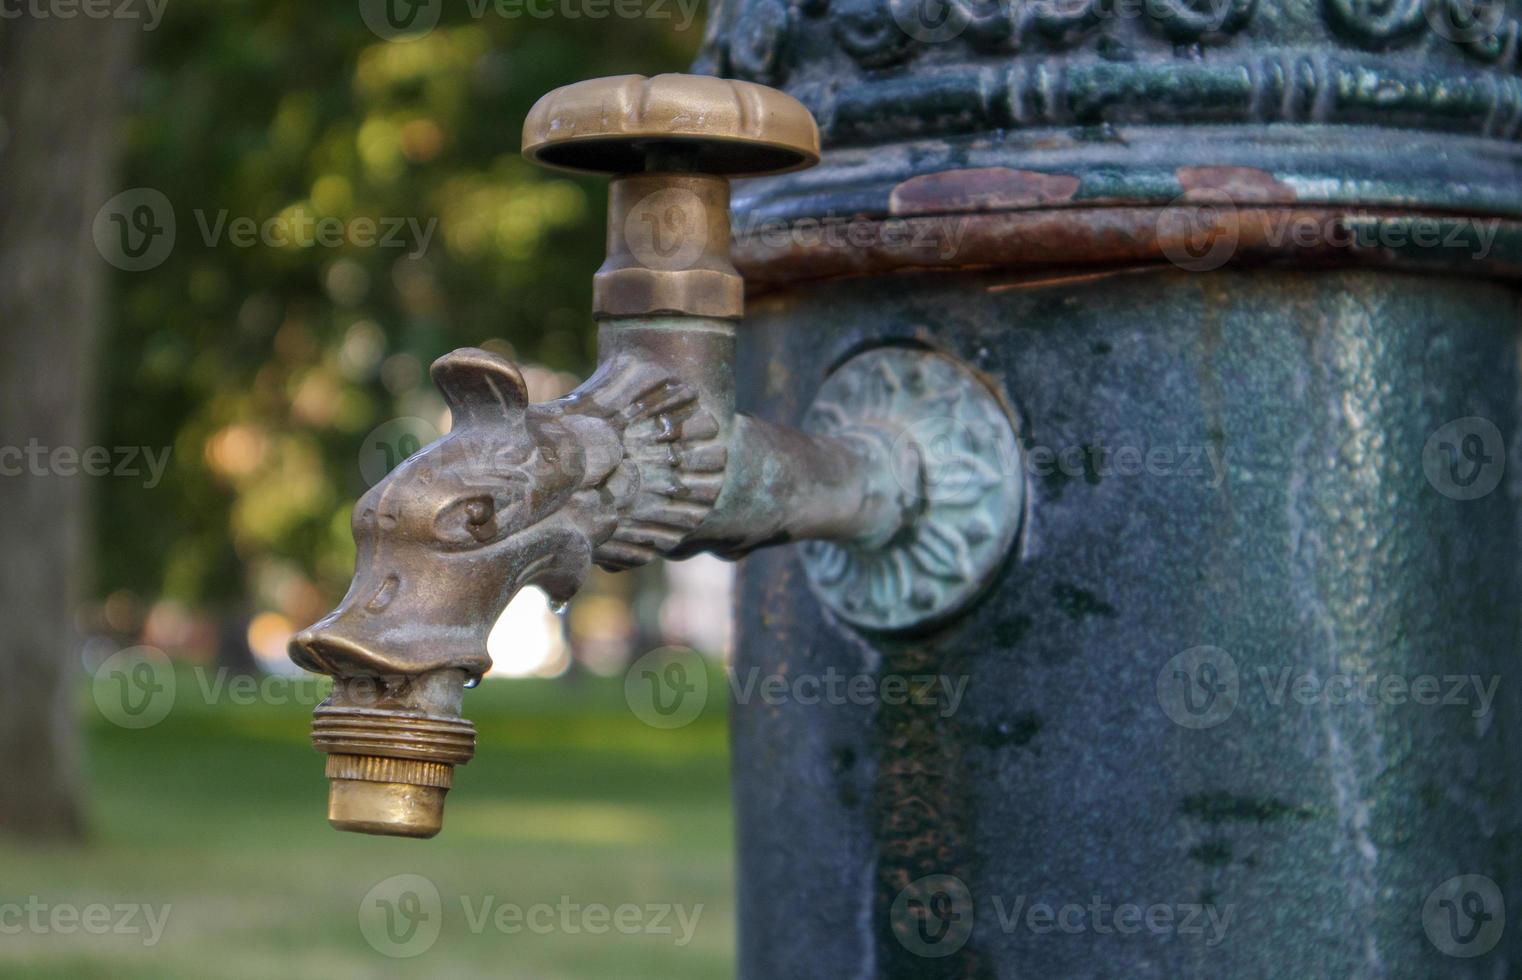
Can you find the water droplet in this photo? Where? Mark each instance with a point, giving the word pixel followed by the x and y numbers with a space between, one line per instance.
pixel 558 607
pixel 472 682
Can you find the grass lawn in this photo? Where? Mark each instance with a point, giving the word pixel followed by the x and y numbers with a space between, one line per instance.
pixel 218 812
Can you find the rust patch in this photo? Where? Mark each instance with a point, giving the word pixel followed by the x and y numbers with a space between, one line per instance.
pixel 980 189
pixel 1077 240
pixel 1243 185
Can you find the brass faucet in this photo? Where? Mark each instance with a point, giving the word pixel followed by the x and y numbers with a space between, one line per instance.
pixel 648 457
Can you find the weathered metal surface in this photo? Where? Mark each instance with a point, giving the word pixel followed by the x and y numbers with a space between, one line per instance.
pixel 1290 524
pixel 670 143
pixel 956 445
pixel 1184 228
pixel 611 125
pixel 668 249
pixel 877 70
pixel 1197 235
pixel 629 466
pixel 648 457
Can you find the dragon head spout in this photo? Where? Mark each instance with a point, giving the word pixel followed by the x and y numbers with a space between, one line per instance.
pixel 512 496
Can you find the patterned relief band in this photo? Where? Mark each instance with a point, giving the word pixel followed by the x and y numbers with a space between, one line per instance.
pixel 1341 101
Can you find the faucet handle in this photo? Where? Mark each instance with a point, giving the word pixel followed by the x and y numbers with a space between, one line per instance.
pixel 670 143
pixel 628 124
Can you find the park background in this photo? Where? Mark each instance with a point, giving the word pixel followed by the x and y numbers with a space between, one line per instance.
pixel 283 378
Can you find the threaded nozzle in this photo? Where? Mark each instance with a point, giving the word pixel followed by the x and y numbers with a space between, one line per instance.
pixel 388 770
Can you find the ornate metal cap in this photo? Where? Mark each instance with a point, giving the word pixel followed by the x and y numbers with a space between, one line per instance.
pixel 726 128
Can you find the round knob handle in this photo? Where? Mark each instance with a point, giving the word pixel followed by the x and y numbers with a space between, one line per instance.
pixel 629 124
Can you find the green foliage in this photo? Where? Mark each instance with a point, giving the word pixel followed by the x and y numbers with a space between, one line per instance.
pixel 266 366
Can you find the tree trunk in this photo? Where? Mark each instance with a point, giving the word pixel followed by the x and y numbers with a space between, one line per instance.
pixel 59 85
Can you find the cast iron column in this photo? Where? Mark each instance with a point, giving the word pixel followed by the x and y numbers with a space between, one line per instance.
pixel 1239 703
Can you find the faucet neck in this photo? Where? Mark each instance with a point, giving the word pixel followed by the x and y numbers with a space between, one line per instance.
pixel 668 249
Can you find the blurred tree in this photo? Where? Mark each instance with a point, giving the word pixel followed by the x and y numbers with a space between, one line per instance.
pixel 269 366
pixel 58 126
